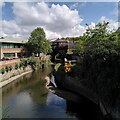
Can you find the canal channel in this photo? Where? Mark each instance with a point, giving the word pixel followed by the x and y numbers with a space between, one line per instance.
pixel 27 97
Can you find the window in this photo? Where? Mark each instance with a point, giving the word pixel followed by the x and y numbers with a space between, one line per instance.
pixel 7 45
pixel 16 46
pixel 9 54
pixel 11 45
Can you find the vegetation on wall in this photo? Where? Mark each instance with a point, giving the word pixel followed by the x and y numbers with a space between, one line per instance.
pixel 32 61
pixel 10 68
pixel 6 68
pixel 16 66
pixel 2 71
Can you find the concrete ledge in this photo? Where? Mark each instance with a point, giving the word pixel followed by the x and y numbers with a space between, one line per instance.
pixel 12 79
pixel 62 93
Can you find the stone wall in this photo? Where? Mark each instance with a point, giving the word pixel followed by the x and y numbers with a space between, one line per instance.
pixel 13 73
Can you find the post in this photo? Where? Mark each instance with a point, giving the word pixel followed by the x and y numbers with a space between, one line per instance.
pixel 16 55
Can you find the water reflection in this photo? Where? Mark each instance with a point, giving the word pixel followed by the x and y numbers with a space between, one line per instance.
pixel 27 97
pixel 85 111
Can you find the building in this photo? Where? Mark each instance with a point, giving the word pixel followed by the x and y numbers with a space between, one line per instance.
pixel 64 43
pixel 12 47
pixel 63 48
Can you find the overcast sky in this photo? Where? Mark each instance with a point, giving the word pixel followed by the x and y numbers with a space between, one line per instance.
pixel 59 19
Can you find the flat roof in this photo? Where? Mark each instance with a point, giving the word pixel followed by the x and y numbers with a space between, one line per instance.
pixel 13 40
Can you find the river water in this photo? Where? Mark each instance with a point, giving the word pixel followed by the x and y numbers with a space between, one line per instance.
pixel 27 97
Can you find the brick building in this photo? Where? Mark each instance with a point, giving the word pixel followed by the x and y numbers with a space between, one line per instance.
pixel 12 47
pixel 64 43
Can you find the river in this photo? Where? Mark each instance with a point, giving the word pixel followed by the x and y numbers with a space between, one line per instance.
pixel 27 97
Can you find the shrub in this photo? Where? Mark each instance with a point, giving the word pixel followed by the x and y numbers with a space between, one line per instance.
pixel 6 68
pixel 32 62
pixel 24 63
pixel 3 70
pixel 16 66
pixel 10 68
pixel 20 65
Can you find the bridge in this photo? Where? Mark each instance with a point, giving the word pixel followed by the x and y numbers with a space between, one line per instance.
pixel 60 49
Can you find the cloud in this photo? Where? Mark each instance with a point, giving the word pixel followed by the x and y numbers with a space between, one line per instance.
pixel 10 27
pixel 92 25
pixel 52 35
pixel 113 25
pixel 57 20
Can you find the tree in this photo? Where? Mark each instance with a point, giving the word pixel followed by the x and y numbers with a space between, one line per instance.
pixel 37 42
pixel 100 63
pixel 47 47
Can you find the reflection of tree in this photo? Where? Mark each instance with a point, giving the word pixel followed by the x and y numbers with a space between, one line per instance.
pixel 39 93
pixel 85 110
pixel 33 83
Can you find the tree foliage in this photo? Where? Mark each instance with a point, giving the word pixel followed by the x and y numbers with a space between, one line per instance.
pixel 38 43
pixel 99 52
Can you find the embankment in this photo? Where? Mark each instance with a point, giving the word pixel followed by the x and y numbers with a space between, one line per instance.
pixel 13 75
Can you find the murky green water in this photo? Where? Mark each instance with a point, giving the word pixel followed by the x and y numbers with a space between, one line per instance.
pixel 27 97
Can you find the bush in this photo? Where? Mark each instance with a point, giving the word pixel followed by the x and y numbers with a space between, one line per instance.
pixel 24 63
pixel 32 62
pixel 20 65
pixel 10 68
pixel 3 70
pixel 16 66
pixel 6 68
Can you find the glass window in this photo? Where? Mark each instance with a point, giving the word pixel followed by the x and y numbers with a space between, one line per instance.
pixel 11 46
pixel 9 54
pixel 16 46
pixel 7 45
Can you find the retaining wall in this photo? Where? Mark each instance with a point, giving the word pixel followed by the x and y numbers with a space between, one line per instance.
pixel 13 73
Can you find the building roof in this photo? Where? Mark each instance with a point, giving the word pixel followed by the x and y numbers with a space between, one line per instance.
pixel 61 40
pixel 13 40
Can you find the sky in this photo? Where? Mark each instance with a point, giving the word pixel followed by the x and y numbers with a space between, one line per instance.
pixel 58 19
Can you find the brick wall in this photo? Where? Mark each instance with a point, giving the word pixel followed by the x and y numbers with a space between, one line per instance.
pixel 9 62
